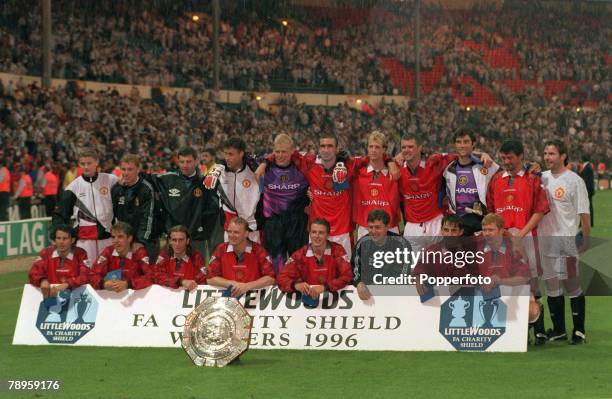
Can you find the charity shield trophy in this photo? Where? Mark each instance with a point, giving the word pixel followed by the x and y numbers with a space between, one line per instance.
pixel 217 332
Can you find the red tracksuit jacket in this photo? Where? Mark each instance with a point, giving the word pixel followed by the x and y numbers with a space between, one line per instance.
pixel 170 274
pixel 252 265
pixel 136 269
pixel 334 271
pixel 47 266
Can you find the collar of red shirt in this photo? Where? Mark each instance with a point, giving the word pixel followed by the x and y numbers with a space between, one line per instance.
pixel 520 173
pixel 310 252
pixel 129 254
pixel 501 249
pixel 184 258
pixel 56 254
pixel 248 249
pixel 384 171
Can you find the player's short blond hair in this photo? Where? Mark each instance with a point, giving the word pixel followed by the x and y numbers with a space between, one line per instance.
pixel 493 218
pixel 89 153
pixel 377 135
pixel 238 221
pixel 131 158
pixel 284 138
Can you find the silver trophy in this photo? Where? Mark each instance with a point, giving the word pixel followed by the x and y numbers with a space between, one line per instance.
pixel 216 332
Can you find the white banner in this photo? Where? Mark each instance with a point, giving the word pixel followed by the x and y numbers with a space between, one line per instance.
pixel 154 317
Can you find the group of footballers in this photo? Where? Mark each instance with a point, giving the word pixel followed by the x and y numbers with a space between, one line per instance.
pixel 308 222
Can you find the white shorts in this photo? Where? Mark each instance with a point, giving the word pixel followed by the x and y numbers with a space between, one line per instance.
pixel 93 248
pixel 363 231
pixel 559 267
pixel 422 235
pixel 531 251
pixel 254 236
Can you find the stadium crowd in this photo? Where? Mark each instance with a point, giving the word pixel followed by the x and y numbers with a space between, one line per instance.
pixel 164 46
pixel 36 124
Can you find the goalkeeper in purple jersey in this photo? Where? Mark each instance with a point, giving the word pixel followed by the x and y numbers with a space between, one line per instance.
pixel 282 204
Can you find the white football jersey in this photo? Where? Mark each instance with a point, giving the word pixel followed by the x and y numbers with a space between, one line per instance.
pixel 568 198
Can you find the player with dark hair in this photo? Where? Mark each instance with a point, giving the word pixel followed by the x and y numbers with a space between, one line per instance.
pixel 467 180
pixel 134 203
pixel 569 209
pixel 237 186
pixel 185 201
pixel 421 192
pixel 122 266
pixel 180 265
pixel 61 265
pixel 379 239
pixel 517 195
pixel 319 266
pixel 436 266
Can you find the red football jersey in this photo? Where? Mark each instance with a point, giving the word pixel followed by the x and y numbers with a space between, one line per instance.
pixel 419 189
pixel 334 270
pixel 502 262
pixel 374 190
pixel 335 207
pixel 516 198
pixel 135 269
pixel 48 265
pixel 169 271
pixel 253 264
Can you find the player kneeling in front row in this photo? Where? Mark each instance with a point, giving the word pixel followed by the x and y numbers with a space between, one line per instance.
pixel 502 264
pixel 366 256
pixel 120 266
pixel 180 265
pixel 240 264
pixel 319 266
pixel 448 258
pixel 61 265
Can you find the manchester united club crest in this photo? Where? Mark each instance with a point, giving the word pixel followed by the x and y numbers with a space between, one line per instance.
pixel 509 198
pixel 414 186
pixel 284 178
pixel 463 180
pixel 239 274
pixel 322 280
pixel 484 171
pixel 104 190
pixel 559 193
pixel 374 192
pixel 197 193
pixel 329 185
pixel 246 183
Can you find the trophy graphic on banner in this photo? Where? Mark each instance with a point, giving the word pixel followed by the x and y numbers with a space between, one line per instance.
pixel 459 307
pixel 83 303
pixel 488 310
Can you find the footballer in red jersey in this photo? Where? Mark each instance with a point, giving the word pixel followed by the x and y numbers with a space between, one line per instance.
pixel 329 176
pixel 240 263
pixel 518 196
pixel 180 265
pixel 61 265
pixel 121 265
pixel 375 188
pixel 319 266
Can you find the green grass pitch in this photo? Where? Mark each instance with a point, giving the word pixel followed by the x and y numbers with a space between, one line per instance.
pixel 556 370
